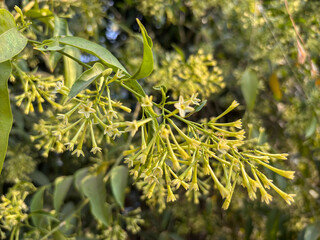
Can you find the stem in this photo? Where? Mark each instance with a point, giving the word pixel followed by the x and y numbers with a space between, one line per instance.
pixel 74 59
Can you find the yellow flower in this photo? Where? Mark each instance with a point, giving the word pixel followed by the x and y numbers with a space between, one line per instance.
pixel 78 152
pixel 183 107
pixel 86 110
pixel 95 149
pixel 170 196
pixel 146 101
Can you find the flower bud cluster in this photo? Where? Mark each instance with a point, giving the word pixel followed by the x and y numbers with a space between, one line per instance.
pixel 13 210
pixel 199 73
pixel 188 154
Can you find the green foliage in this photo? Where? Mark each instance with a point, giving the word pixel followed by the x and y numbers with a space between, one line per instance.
pixel 174 122
pixel 5 110
pixel 118 181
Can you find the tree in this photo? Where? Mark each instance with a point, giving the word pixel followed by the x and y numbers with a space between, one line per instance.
pixel 103 147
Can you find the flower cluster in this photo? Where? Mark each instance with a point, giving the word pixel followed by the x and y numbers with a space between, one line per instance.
pixel 199 73
pixel 13 210
pixel 187 153
pixel 37 88
pixel 91 115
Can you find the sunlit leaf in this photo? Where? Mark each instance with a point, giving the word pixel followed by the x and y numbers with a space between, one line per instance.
pixel 96 50
pixel 146 66
pixel 119 180
pixel 12 43
pixel 6 21
pixel 5 110
pixel 85 79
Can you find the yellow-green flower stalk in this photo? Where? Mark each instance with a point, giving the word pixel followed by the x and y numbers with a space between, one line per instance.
pixel 286 174
pixel 250 189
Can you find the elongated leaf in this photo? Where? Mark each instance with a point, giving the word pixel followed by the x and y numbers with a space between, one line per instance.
pixel 311 127
pixel 94 188
pixel 37 205
pixel 5 110
pixel 6 21
pixel 61 188
pixel 146 66
pixel 105 56
pixel 72 69
pixel 119 180
pixel 249 88
pixel 85 79
pixel 60 27
pixel 12 43
pixel 95 49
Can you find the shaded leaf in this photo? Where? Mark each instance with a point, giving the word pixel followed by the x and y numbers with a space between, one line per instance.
pixel 85 79
pixel 39 178
pixel 312 126
pixel 37 205
pixel 5 110
pixel 118 181
pixel 200 106
pixel 249 88
pixel 312 232
pixel 78 177
pixel 94 188
pixel 61 188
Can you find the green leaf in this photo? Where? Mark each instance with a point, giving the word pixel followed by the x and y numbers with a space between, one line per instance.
pixel 60 27
pixel 12 43
pixel 119 180
pixel 39 178
pixel 312 232
pixel 200 106
pixel 37 205
pixel 312 126
pixel 6 21
pixel 95 49
pixel 85 79
pixel 61 188
pixel 78 177
pixel 105 56
pixel 146 66
pixel 5 110
pixel 72 69
pixel 249 87
pixel 94 188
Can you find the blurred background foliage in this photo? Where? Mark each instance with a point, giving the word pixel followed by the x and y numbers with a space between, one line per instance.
pixel 244 50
